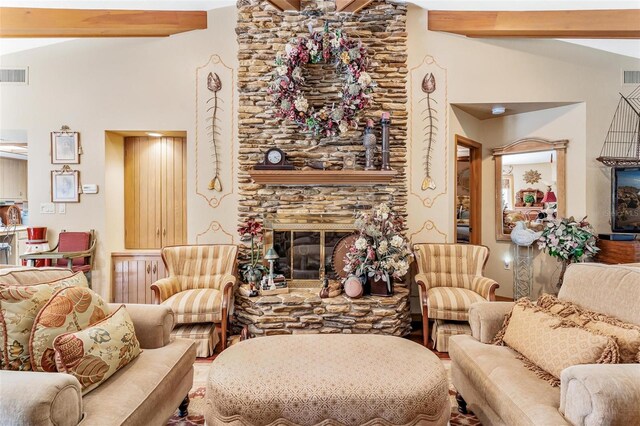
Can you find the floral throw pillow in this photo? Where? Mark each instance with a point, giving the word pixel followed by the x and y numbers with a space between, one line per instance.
pixel 19 306
pixel 69 309
pixel 96 353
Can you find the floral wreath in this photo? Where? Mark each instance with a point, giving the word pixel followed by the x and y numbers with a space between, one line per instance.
pixel 331 47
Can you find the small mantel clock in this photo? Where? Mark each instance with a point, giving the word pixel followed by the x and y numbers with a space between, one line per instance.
pixel 274 159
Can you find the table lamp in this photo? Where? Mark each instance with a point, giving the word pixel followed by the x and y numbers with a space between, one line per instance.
pixel 549 198
pixel 271 257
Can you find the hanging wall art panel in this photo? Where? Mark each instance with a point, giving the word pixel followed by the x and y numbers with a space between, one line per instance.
pixel 428 152
pixel 215 131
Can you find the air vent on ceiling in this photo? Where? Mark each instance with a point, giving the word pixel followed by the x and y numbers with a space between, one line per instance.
pixel 14 75
pixel 631 77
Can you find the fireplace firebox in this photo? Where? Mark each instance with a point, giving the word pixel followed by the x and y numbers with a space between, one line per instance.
pixel 305 245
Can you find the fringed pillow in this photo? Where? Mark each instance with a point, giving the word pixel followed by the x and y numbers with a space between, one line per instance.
pixel 627 335
pixel 548 343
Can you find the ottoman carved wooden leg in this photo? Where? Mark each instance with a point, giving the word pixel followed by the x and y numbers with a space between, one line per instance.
pixel 462 404
pixel 183 409
pixel 310 379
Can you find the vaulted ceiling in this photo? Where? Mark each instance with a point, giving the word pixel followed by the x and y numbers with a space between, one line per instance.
pixel 624 47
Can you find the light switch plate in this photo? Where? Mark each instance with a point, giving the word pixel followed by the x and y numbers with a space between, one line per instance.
pixel 47 208
pixel 62 208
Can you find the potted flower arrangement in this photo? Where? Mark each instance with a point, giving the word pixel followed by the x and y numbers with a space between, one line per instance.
pixel 252 271
pixel 529 199
pixel 381 253
pixel 569 241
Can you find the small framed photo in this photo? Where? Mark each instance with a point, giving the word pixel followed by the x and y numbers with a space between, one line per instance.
pixel 65 148
pixel 64 186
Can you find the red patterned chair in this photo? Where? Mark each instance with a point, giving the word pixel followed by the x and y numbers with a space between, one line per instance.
pixel 75 251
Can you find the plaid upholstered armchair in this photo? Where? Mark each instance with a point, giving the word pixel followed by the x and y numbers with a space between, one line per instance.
pixel 449 280
pixel 200 284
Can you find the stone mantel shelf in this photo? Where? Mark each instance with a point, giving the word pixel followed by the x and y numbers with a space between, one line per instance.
pixel 322 177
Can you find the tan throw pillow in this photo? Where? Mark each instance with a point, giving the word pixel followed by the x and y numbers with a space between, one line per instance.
pixel 19 306
pixel 69 309
pixel 627 335
pixel 548 343
pixel 94 354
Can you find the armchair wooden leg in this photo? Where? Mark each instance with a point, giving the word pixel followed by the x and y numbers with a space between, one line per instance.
pixel 223 332
pixel 183 409
pixel 425 326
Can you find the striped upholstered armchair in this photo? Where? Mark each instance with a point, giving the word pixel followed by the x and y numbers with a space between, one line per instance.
pixel 200 284
pixel 449 280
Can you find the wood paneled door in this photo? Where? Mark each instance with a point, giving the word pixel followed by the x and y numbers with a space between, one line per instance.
pixel 155 192
pixel 133 274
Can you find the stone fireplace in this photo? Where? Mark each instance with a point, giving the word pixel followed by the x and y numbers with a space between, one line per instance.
pixel 305 244
pixel 303 221
pixel 262 32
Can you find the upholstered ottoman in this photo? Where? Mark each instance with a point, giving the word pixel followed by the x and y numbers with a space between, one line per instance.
pixel 442 330
pixel 203 334
pixel 338 379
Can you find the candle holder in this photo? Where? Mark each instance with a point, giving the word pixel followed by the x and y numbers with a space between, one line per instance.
pixel 386 123
pixel 369 143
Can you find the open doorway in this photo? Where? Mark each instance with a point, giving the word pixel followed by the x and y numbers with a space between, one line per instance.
pixel 467 199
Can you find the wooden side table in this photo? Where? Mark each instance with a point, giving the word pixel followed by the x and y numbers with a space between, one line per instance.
pixel 615 252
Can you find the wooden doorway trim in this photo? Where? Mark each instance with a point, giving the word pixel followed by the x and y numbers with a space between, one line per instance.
pixel 475 189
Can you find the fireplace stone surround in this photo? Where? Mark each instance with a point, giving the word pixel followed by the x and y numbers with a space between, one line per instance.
pixel 303 311
pixel 308 240
pixel 262 32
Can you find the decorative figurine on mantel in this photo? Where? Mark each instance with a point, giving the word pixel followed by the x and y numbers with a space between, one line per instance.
pixel 369 143
pixel 386 123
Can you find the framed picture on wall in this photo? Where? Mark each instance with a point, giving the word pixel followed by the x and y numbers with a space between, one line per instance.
pixel 64 186
pixel 65 147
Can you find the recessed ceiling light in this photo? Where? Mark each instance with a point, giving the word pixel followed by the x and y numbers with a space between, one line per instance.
pixel 154 134
pixel 497 110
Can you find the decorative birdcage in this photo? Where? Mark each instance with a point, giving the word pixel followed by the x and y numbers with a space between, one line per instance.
pixel 622 144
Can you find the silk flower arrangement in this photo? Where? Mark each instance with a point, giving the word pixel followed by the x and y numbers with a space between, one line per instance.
pixel 381 252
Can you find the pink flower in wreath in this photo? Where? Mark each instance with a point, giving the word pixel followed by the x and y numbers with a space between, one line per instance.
pixel 371 254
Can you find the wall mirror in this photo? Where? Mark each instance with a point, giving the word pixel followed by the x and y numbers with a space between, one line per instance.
pixel 529 184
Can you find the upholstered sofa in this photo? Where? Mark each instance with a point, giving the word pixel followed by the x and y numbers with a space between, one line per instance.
pixel 146 391
pixel 500 390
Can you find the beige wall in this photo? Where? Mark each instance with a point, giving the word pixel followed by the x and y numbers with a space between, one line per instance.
pixel 523 70
pixel 94 85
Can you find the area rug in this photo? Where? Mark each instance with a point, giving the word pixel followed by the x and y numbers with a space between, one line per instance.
pixel 198 403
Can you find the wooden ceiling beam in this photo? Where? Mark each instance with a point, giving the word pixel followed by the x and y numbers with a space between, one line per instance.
pixel 283 5
pixel 28 22
pixel 540 24
pixel 352 6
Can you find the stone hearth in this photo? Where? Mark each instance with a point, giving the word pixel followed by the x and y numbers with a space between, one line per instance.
pixel 303 311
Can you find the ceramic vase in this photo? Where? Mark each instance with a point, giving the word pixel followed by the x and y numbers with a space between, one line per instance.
pixel 380 287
